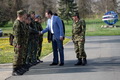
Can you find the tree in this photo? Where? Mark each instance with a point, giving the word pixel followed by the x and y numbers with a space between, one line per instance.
pixel 9 8
pixel 16 5
pixel 84 7
pixel 44 5
pixel 5 16
pixel 67 8
pixel 103 6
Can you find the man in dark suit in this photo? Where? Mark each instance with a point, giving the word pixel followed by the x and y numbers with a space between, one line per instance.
pixel 54 25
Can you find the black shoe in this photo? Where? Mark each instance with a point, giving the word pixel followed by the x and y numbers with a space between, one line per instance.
pixel 27 66
pixel 24 68
pixel 21 71
pixel 16 73
pixel 39 61
pixel 84 62
pixel 30 64
pixel 53 64
pixel 79 62
pixel 61 64
pixel 34 63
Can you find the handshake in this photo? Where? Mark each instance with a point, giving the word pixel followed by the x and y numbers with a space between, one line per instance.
pixel 40 33
pixel 61 37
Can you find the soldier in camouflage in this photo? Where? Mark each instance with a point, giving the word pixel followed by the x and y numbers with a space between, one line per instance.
pixel 27 31
pixel 78 37
pixel 39 37
pixel 25 39
pixel 18 43
pixel 33 39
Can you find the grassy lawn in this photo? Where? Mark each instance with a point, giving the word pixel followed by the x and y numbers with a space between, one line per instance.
pixel 7 53
pixel 7 28
pixel 93 28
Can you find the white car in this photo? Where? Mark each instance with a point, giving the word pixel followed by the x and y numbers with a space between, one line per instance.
pixel 1 32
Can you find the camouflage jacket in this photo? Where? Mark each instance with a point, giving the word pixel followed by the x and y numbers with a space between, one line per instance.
pixel 78 30
pixel 33 33
pixel 27 31
pixel 18 32
pixel 39 28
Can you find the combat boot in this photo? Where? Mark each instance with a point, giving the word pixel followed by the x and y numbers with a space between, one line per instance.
pixel 79 62
pixel 84 61
pixel 16 72
pixel 21 70
pixel 25 67
pixel 39 61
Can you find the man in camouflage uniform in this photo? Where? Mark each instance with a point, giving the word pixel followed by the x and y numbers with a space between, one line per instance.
pixel 18 43
pixel 25 39
pixel 27 31
pixel 30 40
pixel 78 37
pixel 33 39
pixel 39 37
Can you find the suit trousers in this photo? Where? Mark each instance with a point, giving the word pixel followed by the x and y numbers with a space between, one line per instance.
pixel 57 46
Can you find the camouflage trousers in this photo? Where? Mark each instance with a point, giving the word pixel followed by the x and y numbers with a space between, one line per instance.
pixel 31 51
pixel 35 48
pixel 79 49
pixel 18 60
pixel 39 49
pixel 25 53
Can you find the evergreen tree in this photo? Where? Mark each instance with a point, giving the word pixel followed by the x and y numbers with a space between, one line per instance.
pixel 67 8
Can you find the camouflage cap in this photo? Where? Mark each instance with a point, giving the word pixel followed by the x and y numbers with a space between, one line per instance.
pixel 32 12
pixel 25 11
pixel 75 14
pixel 21 12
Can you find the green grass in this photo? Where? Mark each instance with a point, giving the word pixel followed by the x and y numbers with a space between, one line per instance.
pixel 7 28
pixel 7 51
pixel 93 28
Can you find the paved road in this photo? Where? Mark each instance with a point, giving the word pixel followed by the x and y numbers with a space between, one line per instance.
pixel 5 70
pixel 103 63
pixel 3 37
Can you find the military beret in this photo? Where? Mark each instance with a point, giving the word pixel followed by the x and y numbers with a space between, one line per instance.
pixel 32 12
pixel 20 12
pixel 37 16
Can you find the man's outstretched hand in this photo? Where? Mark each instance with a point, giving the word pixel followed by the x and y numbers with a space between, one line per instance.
pixel 40 33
